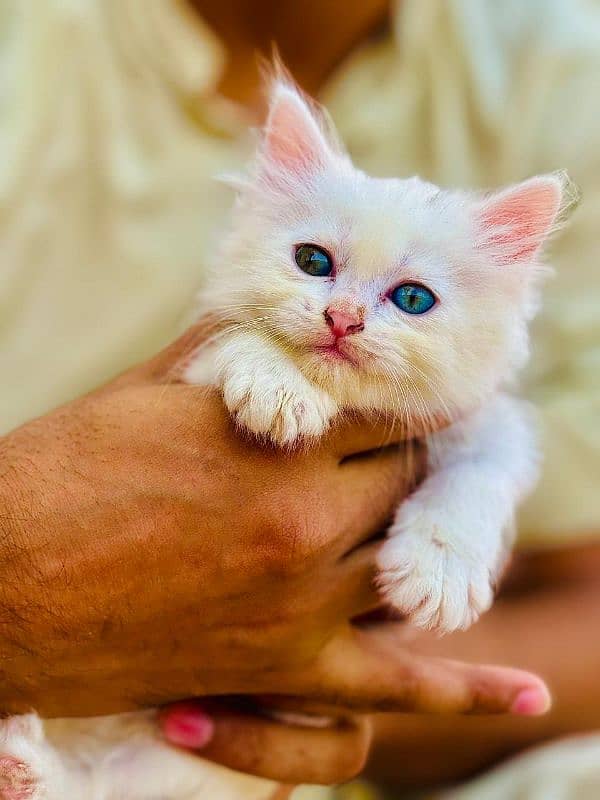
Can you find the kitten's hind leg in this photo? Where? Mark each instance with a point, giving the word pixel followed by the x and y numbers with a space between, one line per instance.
pixel 17 780
pixel 29 767
pixel 125 757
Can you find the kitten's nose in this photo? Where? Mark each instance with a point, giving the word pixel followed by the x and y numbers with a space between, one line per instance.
pixel 345 321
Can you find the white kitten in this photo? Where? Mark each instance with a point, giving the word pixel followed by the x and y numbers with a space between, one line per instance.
pixel 340 292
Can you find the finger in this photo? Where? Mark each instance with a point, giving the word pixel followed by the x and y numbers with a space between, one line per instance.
pixel 355 434
pixel 369 670
pixel 366 492
pixel 257 745
pixel 355 588
pixel 282 792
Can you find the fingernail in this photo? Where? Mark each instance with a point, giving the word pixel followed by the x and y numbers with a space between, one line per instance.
pixel 532 702
pixel 188 727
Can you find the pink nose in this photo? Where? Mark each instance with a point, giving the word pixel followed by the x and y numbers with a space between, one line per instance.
pixel 343 323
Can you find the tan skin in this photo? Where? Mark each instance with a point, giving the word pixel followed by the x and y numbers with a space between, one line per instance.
pixel 311 37
pixel 149 553
pixel 543 622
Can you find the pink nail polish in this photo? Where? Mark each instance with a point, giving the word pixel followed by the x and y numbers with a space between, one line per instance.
pixel 188 727
pixel 531 702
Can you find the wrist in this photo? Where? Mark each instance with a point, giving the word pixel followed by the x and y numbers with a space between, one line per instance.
pixel 10 515
pixel 17 606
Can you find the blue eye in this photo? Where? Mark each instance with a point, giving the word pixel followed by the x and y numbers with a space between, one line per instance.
pixel 413 298
pixel 314 261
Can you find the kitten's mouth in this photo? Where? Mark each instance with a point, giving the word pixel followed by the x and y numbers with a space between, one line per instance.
pixel 334 352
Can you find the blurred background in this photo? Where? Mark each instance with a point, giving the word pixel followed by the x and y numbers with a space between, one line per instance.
pixel 114 117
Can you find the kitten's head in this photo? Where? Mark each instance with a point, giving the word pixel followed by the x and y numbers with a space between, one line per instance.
pixel 390 294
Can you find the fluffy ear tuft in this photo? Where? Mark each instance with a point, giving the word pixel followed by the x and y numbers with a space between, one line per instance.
pixel 293 138
pixel 515 222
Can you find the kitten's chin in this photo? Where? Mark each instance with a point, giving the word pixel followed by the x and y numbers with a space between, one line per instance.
pixel 335 353
pixel 334 372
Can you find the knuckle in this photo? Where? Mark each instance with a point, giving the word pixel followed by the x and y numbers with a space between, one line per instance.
pixel 290 541
pixel 280 555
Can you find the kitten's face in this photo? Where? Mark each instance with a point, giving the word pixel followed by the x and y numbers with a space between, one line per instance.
pixel 390 294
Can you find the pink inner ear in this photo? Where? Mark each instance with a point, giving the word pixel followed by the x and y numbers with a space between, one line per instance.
pixel 293 139
pixel 518 221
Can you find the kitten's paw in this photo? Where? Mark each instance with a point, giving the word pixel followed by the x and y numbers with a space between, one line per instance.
pixel 19 738
pixel 424 575
pixel 29 767
pixel 17 779
pixel 284 413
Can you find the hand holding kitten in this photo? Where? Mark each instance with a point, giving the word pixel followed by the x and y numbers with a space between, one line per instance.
pixel 149 556
pixel 157 491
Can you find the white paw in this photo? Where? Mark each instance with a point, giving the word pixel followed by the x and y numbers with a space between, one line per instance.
pixel 284 413
pixel 28 766
pixel 425 574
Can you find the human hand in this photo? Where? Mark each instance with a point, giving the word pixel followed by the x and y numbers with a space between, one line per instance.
pixel 150 553
pixel 371 670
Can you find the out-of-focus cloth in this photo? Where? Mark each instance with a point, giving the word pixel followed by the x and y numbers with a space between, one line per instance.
pixel 565 770
pixel 110 135
pixel 354 791
pixel 482 93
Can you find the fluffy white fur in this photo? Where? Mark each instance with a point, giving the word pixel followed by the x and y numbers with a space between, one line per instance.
pixel 450 367
pixel 480 255
pixel 112 758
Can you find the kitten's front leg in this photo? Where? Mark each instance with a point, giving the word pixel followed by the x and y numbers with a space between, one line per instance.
pixel 450 539
pixel 267 394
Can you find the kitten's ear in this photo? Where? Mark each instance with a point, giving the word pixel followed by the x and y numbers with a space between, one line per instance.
pixel 293 138
pixel 515 222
